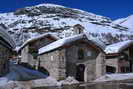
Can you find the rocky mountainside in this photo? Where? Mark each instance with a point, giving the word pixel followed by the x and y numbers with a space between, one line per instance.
pixel 126 22
pixel 32 21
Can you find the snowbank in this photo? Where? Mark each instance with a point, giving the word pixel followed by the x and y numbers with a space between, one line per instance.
pixel 3 81
pixel 49 81
pixel 115 77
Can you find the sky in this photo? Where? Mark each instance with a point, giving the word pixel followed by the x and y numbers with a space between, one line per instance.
pixel 110 8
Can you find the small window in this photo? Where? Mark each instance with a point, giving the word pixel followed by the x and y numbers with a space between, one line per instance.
pixel 110 69
pixel 125 69
pixel 80 54
pixel 89 53
pixel 78 28
pixel 33 51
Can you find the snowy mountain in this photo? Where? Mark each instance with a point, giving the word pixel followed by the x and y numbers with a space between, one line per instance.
pixel 126 22
pixel 32 21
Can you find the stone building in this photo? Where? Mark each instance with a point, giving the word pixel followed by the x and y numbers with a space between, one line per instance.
pixel 77 56
pixel 29 50
pixel 119 57
pixel 73 30
pixel 78 29
pixel 6 50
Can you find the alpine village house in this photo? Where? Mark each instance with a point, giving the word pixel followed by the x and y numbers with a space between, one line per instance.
pixel 6 50
pixel 79 55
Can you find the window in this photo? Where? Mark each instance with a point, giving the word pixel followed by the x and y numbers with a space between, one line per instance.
pixel 80 54
pixel 110 69
pixel 124 56
pixel 52 58
pixel 89 53
pixel 78 28
pixel 33 51
pixel 125 69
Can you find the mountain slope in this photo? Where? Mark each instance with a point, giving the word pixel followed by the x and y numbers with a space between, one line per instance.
pixel 126 22
pixel 32 21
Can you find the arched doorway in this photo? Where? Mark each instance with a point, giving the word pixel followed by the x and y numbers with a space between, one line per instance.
pixel 80 72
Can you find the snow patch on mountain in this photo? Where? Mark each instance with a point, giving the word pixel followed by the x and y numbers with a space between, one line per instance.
pixel 126 22
pixel 29 22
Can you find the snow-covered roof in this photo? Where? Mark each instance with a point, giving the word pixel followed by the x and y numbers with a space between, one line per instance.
pixel 7 38
pixel 97 41
pixel 118 47
pixel 53 35
pixel 65 41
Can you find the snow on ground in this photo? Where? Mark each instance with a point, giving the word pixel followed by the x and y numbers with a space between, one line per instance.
pixel 3 81
pixel 117 47
pixel 25 77
pixel 49 81
pixel 18 74
pixel 114 77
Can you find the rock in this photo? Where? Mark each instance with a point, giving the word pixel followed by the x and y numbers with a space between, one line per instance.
pixel 68 81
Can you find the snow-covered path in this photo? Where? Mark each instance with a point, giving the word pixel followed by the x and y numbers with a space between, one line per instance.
pixel 115 77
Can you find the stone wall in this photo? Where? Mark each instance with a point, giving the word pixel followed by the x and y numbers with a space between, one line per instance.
pixel 90 71
pixel 5 53
pixel 117 64
pixel 113 62
pixel 100 65
pixel 54 62
pixel 63 62
pixel 71 56
pixel 24 54
pixel 89 60
pixel 27 57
